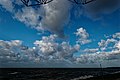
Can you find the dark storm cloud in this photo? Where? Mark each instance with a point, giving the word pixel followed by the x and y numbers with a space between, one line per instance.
pixel 99 7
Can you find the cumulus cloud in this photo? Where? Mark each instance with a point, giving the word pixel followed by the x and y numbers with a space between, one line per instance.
pixel 45 51
pixel 47 45
pixel 110 43
pixel 83 36
pixel 48 51
pixel 117 45
pixel 50 48
pixel 15 52
pixel 116 35
pixel 98 57
pixel 110 52
pixel 105 44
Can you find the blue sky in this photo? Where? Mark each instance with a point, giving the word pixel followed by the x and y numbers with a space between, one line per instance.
pixel 17 30
pixel 23 24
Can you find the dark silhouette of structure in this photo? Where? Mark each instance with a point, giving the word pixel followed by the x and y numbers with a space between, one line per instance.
pixel 41 2
pixel 83 2
pixel 35 2
pixel 101 71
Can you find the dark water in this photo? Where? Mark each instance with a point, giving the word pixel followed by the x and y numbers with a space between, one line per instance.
pixel 53 73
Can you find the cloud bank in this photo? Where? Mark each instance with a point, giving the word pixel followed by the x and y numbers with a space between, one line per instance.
pixel 48 52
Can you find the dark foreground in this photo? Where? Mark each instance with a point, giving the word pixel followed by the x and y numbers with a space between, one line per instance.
pixel 59 74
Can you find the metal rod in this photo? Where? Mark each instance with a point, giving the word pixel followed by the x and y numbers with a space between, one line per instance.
pixel 101 71
pixel 41 2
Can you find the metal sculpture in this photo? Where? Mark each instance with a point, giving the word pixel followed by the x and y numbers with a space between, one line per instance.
pixel 83 2
pixel 41 2
pixel 36 2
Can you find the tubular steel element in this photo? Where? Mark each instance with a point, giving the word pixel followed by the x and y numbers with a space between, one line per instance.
pixel 41 2
pixel 83 2
pixel 36 2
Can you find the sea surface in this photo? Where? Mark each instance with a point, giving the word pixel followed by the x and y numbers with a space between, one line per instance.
pixel 54 73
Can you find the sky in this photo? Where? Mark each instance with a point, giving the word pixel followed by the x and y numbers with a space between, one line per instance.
pixel 60 34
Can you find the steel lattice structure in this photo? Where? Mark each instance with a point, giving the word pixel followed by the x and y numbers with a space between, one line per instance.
pixel 41 2
pixel 36 2
pixel 83 2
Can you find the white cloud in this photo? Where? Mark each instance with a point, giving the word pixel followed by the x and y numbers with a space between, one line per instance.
pixel 110 52
pixel 15 43
pixel 47 45
pixel 50 48
pixel 109 43
pixel 82 36
pixel 106 44
pixel 98 57
pixel 29 16
pixel 44 50
pixel 117 45
pixel 116 35
pixel 67 50
pixel 14 51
